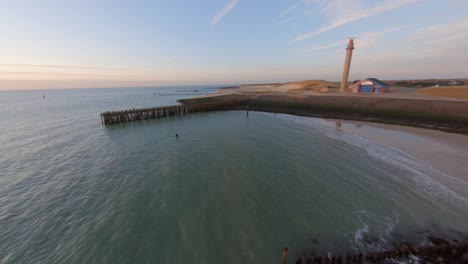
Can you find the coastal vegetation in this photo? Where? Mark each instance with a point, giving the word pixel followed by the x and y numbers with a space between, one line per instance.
pixel 447 91
pixel 428 83
pixel 316 86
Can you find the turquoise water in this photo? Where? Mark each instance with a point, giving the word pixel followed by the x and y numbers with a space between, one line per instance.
pixel 231 189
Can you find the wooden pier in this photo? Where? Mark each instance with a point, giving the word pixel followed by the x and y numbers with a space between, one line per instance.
pixel 133 115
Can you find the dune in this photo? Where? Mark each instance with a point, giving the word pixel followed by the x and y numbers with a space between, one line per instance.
pixel 460 92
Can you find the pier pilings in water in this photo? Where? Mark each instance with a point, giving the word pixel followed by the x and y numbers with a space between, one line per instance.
pixel 133 115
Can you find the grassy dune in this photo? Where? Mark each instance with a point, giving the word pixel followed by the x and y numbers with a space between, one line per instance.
pixel 447 91
pixel 316 86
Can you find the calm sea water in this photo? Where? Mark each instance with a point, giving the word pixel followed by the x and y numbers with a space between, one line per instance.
pixel 231 189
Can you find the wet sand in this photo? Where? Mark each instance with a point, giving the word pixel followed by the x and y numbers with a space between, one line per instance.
pixel 445 152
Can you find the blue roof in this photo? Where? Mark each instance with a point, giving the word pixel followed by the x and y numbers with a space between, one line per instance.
pixel 377 81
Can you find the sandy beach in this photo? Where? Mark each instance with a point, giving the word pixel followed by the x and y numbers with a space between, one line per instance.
pixel 445 152
pixel 324 88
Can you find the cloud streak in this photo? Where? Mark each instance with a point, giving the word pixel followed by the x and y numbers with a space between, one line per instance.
pixel 441 32
pixel 223 12
pixel 340 17
pixel 290 9
pixel 324 47
pixel 369 39
pixel 18 65
pixel 284 21
pixel 365 40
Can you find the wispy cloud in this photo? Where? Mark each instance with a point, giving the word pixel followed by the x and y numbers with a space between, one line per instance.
pixel 435 51
pixel 324 47
pixel 284 21
pixel 365 40
pixel 441 32
pixel 19 65
pixel 290 9
pixel 24 71
pixel 368 39
pixel 223 12
pixel 350 13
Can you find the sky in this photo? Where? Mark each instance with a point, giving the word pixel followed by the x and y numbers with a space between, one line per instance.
pixel 117 43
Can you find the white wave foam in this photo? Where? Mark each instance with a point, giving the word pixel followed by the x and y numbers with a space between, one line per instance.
pixel 360 232
pixel 431 181
pixel 381 228
pixel 389 227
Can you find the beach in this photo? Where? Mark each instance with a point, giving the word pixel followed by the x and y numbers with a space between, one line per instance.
pixel 324 88
pixel 77 191
pixel 234 131
pixel 445 152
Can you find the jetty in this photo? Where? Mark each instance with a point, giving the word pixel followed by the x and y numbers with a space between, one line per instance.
pixel 448 116
pixel 133 115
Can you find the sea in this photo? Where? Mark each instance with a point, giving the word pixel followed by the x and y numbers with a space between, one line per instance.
pixel 231 188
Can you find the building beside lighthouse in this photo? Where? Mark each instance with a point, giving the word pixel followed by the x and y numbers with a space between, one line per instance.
pixel 369 85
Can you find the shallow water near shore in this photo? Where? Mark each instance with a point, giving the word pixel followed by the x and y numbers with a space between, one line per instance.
pixel 230 189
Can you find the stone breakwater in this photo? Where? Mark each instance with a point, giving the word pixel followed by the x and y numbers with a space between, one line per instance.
pixel 438 251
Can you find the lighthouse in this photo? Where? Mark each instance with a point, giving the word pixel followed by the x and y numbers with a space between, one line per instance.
pixel 347 65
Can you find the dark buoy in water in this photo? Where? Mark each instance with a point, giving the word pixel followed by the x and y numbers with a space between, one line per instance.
pixel 43 97
pixel 177 136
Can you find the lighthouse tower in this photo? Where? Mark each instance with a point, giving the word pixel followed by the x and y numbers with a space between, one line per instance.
pixel 347 65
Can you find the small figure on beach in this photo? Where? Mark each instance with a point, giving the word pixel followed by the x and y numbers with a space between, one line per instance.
pixel 177 136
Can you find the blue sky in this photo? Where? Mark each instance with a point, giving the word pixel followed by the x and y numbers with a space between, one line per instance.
pixel 99 43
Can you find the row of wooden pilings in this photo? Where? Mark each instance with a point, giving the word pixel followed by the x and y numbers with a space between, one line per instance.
pixel 133 115
pixel 440 251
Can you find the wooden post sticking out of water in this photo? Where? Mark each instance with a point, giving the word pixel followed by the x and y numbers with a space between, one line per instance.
pixel 285 255
pixel 247 110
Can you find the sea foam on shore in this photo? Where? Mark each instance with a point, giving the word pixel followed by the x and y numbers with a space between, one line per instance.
pixel 434 158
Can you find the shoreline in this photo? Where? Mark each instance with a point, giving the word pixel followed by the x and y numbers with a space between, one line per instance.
pixel 444 152
pixel 443 115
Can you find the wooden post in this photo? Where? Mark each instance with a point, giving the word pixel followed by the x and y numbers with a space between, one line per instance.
pixel 285 255
pixel 247 110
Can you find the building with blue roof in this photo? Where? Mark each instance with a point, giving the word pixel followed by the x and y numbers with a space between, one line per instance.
pixel 369 85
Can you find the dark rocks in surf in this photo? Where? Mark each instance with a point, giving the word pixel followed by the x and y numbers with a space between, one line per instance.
pixel 438 251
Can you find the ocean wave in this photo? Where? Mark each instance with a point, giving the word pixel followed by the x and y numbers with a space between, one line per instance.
pixel 433 182
pixel 375 233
